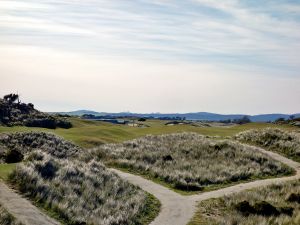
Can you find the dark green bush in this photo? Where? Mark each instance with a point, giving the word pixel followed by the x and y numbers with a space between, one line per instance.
pixel 265 209
pixel 245 208
pixel 13 156
pixel 46 123
pixel 64 124
pixel 294 197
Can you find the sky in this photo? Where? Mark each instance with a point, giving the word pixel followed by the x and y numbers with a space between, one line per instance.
pixel 229 56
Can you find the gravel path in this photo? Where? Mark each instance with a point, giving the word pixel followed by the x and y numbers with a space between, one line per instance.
pixel 178 209
pixel 22 209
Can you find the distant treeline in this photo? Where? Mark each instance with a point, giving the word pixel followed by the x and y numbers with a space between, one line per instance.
pixel 112 117
pixel 242 120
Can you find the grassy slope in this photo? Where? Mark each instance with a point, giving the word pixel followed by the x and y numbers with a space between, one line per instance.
pixel 92 133
pixel 276 140
pixel 6 169
pixel 151 210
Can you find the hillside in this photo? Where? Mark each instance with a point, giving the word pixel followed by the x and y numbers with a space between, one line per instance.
pixel 207 116
pixel 13 112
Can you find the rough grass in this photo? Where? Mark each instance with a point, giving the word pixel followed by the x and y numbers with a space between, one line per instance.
pixel 276 204
pixel 190 162
pixel 78 191
pixel 6 218
pixel 277 140
pixel 93 133
pixel 25 142
pixel 67 182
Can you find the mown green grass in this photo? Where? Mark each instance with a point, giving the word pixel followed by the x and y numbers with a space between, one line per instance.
pixel 92 133
pixel 6 169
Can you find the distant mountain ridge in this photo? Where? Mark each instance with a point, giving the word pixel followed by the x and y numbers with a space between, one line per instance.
pixel 189 116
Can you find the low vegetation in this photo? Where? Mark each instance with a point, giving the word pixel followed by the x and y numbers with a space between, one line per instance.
pixel 66 181
pixel 294 121
pixel 93 133
pixel 79 192
pixel 276 204
pixel 6 218
pixel 277 140
pixel 14 146
pixel 15 113
pixel 190 162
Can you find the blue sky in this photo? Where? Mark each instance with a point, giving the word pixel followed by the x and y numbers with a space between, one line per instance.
pixel 225 56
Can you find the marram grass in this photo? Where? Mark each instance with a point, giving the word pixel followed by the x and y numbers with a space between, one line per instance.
pixel 189 161
pixel 275 204
pixel 66 181
pixel 274 139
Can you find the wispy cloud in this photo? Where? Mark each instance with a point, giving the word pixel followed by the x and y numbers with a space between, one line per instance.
pixel 246 37
pixel 194 29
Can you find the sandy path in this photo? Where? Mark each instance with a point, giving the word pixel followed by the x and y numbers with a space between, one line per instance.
pixel 23 209
pixel 178 209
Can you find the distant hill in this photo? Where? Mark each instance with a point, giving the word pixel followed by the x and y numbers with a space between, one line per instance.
pixel 189 116
pixel 79 113
pixel 271 117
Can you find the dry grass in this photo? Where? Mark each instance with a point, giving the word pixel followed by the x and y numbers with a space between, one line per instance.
pixel 189 161
pixel 25 142
pixel 74 187
pixel 276 204
pixel 78 191
pixel 277 140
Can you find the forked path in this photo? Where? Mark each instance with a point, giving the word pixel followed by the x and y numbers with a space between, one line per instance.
pixel 178 210
pixel 22 209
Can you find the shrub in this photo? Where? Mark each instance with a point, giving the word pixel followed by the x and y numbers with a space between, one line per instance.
pixel 46 123
pixel 63 124
pixel 245 208
pixel 294 197
pixel 243 120
pixel 48 169
pixel 264 208
pixel 13 156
